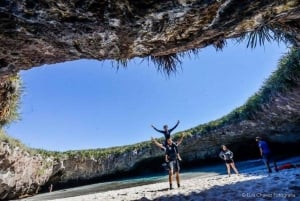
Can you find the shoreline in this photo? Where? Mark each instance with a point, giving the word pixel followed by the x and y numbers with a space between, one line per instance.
pixel 282 185
pixel 196 181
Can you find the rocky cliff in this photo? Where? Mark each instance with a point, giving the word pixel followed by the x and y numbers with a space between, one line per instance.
pixel 21 173
pixel 24 174
pixel 40 32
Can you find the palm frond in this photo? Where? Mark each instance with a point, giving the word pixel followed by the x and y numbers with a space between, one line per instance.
pixel 10 100
pixel 259 36
pixel 265 33
pixel 167 63
pixel 120 63
pixel 220 44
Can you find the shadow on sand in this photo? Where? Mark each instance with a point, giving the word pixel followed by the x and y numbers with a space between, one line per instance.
pixel 251 190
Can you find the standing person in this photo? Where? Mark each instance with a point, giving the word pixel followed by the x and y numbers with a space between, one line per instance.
pixel 51 188
pixel 266 154
pixel 227 156
pixel 166 131
pixel 172 158
pixel 163 146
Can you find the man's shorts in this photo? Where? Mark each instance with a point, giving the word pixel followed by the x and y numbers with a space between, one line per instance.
pixel 174 165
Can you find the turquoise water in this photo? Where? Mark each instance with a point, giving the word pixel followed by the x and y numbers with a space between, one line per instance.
pixel 249 166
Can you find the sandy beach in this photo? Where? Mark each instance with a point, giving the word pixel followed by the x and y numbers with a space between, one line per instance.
pixel 259 185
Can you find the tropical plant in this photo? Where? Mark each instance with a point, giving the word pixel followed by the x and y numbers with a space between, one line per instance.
pixel 282 80
pixel 167 63
pixel 265 33
pixel 11 90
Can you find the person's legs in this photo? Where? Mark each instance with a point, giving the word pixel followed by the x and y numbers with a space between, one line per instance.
pixel 234 168
pixel 170 178
pixel 171 169
pixel 178 179
pixel 266 159
pixel 177 169
pixel 275 164
pixel 268 166
pixel 228 168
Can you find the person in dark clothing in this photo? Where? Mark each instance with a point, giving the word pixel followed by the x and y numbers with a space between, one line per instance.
pixel 163 146
pixel 172 158
pixel 266 154
pixel 227 156
pixel 166 131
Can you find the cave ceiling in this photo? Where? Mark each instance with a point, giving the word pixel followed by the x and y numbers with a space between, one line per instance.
pixel 38 32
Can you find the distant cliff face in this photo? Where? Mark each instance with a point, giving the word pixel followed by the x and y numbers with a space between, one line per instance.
pixel 24 174
pixel 21 173
pixel 39 32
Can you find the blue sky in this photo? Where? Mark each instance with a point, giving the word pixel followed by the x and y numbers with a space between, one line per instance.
pixel 90 104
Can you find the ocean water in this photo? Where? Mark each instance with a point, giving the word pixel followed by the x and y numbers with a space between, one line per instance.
pixel 250 166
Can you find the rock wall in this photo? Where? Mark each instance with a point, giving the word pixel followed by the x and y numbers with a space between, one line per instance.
pixel 40 32
pixel 21 173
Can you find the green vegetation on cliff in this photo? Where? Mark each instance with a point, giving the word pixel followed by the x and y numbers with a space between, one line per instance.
pixel 282 80
pixel 10 93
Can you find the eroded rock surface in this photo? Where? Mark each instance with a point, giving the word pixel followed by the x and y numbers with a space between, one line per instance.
pixel 40 32
pixel 33 33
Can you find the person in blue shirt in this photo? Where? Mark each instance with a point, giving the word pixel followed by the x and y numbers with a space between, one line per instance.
pixel 266 154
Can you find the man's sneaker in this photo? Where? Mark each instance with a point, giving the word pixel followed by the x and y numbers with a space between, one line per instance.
pixel 178 185
pixel 171 187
